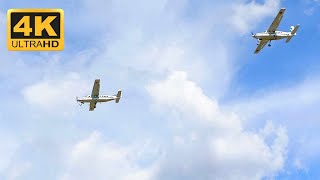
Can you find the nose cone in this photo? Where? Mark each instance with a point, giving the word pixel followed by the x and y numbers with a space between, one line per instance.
pixel 253 35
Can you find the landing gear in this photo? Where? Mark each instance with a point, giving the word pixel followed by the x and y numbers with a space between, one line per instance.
pixel 269 44
pixel 81 103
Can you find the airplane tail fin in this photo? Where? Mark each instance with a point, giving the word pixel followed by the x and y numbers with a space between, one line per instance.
pixel 291 28
pixel 119 94
pixel 294 29
pixel 293 32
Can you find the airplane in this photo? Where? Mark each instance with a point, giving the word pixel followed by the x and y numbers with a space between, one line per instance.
pixel 272 33
pixel 94 98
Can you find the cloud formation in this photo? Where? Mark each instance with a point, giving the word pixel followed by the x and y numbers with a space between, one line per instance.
pixel 175 54
pixel 246 15
pixel 93 158
pixel 219 148
pixel 56 95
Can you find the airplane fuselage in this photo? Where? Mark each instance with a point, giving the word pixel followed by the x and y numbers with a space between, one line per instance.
pixel 101 98
pixel 272 35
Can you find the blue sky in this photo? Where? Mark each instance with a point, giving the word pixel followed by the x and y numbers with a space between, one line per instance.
pixel 197 103
pixel 292 67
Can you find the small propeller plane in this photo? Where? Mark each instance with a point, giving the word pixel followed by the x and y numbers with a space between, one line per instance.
pixel 272 33
pixel 94 98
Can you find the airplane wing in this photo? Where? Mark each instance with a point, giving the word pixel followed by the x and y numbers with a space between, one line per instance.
pixel 96 88
pixel 275 24
pixel 261 45
pixel 92 106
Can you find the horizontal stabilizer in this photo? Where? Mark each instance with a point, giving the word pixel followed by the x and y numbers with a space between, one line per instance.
pixel 293 33
pixel 119 94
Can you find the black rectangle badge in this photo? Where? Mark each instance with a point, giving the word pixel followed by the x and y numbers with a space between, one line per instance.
pixel 35 29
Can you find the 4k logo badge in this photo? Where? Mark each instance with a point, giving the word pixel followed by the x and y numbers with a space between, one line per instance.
pixel 35 29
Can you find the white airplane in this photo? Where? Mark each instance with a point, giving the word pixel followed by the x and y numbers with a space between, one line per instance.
pixel 94 98
pixel 273 34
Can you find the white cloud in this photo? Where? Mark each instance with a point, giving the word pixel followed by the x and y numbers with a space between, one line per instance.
pixel 300 95
pixel 8 148
pixel 294 106
pixel 313 7
pixel 155 37
pixel 56 94
pixel 119 14
pixel 18 171
pixel 245 16
pixel 94 158
pixel 3 18
pixel 3 33
pixel 248 156
pixel 10 167
pixel 309 11
pixel 178 93
pixel 152 38
pixel 299 165
pixel 222 149
pixel 314 1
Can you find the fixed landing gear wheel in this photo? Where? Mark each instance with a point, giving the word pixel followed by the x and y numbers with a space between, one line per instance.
pixel 269 45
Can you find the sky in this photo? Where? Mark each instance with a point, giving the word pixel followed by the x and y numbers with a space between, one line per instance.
pixel 197 103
